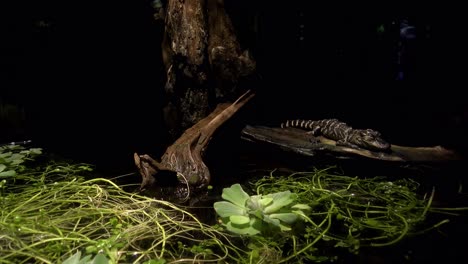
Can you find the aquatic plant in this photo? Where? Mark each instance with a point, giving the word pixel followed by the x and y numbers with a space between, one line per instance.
pixel 353 212
pixel 56 212
pixel 250 215
pixel 88 259
pixel 13 156
pixel 340 212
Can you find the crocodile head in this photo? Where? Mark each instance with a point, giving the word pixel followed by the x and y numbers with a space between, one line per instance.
pixel 369 139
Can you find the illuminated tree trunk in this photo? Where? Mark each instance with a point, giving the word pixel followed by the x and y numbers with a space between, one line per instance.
pixel 203 61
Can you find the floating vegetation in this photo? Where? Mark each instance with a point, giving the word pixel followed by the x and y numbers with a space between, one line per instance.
pixel 353 212
pixel 12 158
pixel 58 213
pixel 251 215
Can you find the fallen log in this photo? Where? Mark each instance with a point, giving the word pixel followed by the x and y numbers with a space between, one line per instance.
pixel 298 141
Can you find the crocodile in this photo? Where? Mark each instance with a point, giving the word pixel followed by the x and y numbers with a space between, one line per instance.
pixel 343 134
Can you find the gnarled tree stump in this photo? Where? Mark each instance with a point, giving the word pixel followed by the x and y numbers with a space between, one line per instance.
pixel 185 156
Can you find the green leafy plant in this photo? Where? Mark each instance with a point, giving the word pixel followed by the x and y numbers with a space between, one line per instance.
pixel 77 259
pixel 50 212
pixel 250 215
pixel 11 158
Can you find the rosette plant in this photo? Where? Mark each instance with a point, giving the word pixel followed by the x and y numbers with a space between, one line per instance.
pixel 250 215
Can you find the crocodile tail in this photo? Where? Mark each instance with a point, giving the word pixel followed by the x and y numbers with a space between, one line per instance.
pixel 299 123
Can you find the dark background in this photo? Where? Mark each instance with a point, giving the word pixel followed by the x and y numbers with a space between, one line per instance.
pixel 89 78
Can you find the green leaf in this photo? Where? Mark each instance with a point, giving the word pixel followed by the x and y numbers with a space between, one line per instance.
pixel 2 167
pixel 253 203
pixel 266 201
pixel 280 200
pixel 154 261
pixel 75 259
pixel 373 222
pixel 285 228
pixel 10 173
pixel 239 219
pixel 17 156
pixel 252 228
pixel 301 207
pixel 285 217
pixel 272 221
pixel 91 249
pixel 35 151
pixel 226 209
pixel 6 154
pixel 256 213
pixel 235 195
pixel 100 259
pixel 16 162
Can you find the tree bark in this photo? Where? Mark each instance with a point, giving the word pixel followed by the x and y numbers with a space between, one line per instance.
pixel 228 63
pixel 203 61
pixel 184 55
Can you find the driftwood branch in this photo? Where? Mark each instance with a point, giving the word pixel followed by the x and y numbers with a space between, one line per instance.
pixel 185 155
pixel 298 141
